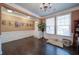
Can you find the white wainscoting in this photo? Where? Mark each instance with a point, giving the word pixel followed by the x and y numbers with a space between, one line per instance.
pixel 15 35
pixel 0 46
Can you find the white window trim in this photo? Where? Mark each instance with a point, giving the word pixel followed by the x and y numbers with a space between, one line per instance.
pixel 56 25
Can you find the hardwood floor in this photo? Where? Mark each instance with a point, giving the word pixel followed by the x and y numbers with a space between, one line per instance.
pixel 53 50
pixel 32 46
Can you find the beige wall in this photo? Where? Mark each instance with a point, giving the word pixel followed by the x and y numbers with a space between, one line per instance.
pixel 14 23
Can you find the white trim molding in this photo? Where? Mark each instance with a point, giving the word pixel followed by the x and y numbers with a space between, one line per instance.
pixel 21 8
pixel 0 46
pixel 63 12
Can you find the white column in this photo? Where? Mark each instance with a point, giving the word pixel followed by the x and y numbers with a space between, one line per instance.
pixel 37 33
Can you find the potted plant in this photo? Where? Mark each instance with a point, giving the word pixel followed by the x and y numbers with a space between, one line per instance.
pixel 42 27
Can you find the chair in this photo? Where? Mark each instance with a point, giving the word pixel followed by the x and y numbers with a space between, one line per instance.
pixel 66 43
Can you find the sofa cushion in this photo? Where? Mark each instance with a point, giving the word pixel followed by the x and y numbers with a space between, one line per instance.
pixel 55 42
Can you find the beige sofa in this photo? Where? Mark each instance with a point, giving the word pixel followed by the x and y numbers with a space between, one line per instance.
pixel 56 42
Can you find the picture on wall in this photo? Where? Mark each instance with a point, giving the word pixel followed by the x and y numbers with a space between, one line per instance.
pixel 12 23
pixel 17 24
pixel 3 22
pixel 30 25
pixel 22 24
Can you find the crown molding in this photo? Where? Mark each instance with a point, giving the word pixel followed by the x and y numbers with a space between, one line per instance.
pixel 20 9
pixel 63 12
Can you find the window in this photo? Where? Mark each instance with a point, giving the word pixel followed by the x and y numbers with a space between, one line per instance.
pixel 59 26
pixel 50 25
pixel 63 25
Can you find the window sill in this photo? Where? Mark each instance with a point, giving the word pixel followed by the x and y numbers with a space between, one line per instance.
pixel 58 35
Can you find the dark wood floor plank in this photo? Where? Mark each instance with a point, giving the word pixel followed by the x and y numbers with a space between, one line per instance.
pixel 32 46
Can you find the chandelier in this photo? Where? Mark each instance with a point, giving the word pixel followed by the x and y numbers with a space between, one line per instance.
pixel 45 6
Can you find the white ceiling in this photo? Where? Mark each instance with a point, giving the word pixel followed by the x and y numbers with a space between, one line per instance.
pixel 56 7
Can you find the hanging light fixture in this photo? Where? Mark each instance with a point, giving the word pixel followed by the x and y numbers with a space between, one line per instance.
pixel 45 6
